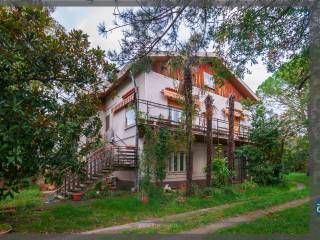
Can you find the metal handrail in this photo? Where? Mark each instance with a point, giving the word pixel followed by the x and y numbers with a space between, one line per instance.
pixel 94 165
pixel 218 124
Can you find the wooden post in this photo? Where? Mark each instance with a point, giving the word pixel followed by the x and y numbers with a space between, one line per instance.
pixel 209 111
pixel 231 144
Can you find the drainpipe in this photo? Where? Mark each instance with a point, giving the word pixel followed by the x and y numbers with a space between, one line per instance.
pixel 136 106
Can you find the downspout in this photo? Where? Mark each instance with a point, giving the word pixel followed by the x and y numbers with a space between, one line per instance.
pixel 136 108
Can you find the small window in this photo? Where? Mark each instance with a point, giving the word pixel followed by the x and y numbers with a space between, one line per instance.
pixel 208 80
pixel 177 162
pixel 130 117
pixel 107 122
pixel 175 115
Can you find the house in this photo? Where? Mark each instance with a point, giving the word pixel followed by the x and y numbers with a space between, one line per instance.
pixel 155 93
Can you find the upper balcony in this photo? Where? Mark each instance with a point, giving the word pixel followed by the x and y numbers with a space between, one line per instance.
pixel 156 114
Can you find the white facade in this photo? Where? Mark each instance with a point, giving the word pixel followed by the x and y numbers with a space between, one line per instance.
pixel 149 87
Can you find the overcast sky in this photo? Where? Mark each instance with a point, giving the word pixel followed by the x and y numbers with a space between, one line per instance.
pixel 88 18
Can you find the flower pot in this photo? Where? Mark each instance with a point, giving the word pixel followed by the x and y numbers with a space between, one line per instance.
pixel 144 199
pixel 5 229
pixel 77 196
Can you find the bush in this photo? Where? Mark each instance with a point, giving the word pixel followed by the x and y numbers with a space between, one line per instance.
pixel 220 172
pixel 231 191
pixel 202 191
pixel 207 192
pixel 248 185
pixel 264 155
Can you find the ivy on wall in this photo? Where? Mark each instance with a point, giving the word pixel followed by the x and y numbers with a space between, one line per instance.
pixel 159 143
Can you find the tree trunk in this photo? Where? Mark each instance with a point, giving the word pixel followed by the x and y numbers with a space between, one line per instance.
pixel 188 111
pixel 231 145
pixel 209 111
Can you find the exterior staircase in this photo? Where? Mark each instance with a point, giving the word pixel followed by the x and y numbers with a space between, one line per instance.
pixel 97 166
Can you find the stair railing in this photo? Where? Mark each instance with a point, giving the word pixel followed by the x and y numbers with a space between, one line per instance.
pixel 107 157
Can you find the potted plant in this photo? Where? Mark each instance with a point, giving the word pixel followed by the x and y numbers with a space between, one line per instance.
pixel 5 228
pixel 77 196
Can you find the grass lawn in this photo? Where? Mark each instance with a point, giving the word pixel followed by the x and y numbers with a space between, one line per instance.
pixel 290 221
pixel 204 219
pixel 33 216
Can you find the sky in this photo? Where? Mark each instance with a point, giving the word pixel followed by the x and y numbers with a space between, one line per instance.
pixel 88 18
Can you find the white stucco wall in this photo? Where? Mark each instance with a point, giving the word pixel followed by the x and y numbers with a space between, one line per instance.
pixel 155 82
pixel 118 119
pixel 149 86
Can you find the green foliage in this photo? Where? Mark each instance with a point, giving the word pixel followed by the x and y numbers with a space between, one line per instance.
pixel 264 155
pixel 296 154
pixel 239 34
pixel 28 198
pixel 287 92
pixel 248 185
pixel 220 170
pixel 45 110
pixel 5 227
pixel 115 210
pixel 159 144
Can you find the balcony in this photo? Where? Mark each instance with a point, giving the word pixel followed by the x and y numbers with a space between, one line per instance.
pixel 155 114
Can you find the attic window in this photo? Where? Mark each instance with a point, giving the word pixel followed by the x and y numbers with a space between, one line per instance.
pixel 208 80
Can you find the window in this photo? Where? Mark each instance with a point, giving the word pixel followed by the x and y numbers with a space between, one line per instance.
pixel 130 117
pixel 208 80
pixel 107 122
pixel 175 115
pixel 177 162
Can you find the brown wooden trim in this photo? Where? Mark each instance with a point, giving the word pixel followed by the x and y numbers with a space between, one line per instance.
pixel 127 94
pixel 123 103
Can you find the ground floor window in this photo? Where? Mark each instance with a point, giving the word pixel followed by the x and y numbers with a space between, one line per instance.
pixel 177 162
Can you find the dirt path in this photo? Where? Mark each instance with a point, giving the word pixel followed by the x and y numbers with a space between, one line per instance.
pixel 157 221
pixel 232 221
pixel 205 229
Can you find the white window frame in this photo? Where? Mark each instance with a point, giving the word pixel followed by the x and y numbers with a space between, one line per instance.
pixel 126 116
pixel 177 157
pixel 208 80
pixel 175 114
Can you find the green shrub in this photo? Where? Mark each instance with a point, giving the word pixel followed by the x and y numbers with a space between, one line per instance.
pixel 220 172
pixel 231 191
pixel 264 155
pixel 207 192
pixel 4 227
pixel 248 185
pixel 90 195
pixel 98 185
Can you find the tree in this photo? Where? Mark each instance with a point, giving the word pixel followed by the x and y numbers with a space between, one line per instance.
pixel 49 81
pixel 209 112
pixel 263 156
pixel 287 93
pixel 231 143
pixel 240 35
